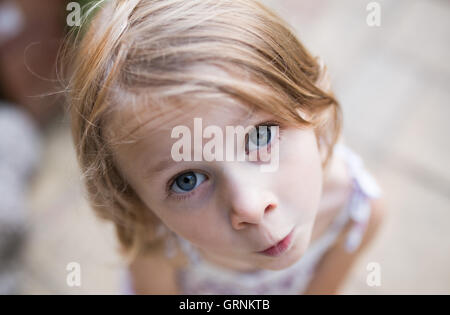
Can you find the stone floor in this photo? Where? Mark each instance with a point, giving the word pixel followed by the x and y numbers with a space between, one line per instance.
pixel 392 82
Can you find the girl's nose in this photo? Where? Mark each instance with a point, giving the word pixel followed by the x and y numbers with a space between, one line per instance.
pixel 249 205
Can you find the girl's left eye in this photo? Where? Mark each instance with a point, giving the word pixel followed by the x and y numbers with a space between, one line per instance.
pixel 187 182
pixel 258 137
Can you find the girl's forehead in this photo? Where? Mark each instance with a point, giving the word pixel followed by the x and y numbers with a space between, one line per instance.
pixel 143 121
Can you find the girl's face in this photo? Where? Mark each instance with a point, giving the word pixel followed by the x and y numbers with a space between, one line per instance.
pixel 230 210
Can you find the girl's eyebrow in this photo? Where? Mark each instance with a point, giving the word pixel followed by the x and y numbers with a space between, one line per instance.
pixel 159 167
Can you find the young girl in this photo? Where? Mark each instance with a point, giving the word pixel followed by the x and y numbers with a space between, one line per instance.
pixel 145 67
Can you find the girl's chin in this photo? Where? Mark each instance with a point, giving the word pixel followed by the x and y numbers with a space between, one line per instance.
pixel 281 263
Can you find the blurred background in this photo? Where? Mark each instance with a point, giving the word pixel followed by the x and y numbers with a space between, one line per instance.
pixel 392 81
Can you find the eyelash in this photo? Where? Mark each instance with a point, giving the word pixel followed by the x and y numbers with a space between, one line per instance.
pixel 188 195
pixel 181 197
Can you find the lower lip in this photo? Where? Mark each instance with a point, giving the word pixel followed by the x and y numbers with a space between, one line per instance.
pixel 279 248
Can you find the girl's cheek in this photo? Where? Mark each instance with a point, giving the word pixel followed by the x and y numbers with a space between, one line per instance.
pixel 192 226
pixel 303 239
pixel 301 176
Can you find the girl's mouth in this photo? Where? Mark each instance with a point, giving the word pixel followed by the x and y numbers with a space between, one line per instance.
pixel 280 247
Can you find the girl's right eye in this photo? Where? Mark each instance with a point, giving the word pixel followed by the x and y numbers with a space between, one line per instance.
pixel 187 182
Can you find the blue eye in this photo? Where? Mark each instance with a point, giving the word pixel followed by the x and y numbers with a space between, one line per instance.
pixel 259 136
pixel 187 182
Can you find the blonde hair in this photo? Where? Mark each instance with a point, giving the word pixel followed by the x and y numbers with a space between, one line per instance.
pixel 136 51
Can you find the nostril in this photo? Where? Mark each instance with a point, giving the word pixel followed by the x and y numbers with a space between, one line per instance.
pixel 270 207
pixel 240 225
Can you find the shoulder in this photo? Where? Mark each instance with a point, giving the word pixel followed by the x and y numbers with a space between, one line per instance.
pixel 377 218
pixel 357 175
pixel 347 171
pixel 378 214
